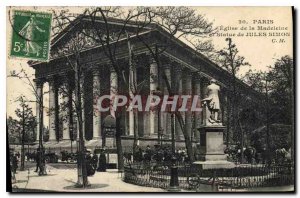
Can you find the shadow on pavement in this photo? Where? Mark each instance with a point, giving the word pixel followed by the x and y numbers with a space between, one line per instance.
pixel 30 190
pixel 21 181
pixel 42 175
pixel 92 186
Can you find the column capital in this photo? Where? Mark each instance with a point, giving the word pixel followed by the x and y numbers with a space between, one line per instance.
pixel 111 68
pixel 187 72
pixel 178 68
pixel 150 58
pixel 205 81
pixel 95 71
pixel 65 84
pixel 197 76
pixel 172 60
pixel 82 75
pixel 39 82
pixel 64 77
pixel 167 66
pixel 51 80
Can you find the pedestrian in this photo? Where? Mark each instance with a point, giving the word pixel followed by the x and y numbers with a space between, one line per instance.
pixel 95 160
pixel 37 160
pixel 14 163
pixel 89 163
pixel 138 155
pixel 257 157
pixel 13 176
pixel 148 154
pixel 102 161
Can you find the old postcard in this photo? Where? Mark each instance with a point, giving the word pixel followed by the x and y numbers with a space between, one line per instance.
pixel 150 99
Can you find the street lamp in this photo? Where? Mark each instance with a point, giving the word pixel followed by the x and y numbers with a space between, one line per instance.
pixel 174 185
pixel 41 149
pixel 161 135
pixel 159 93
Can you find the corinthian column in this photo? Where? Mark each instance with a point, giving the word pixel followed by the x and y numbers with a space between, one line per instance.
pixel 96 112
pixel 178 85
pixel 53 110
pixel 39 103
pixel 197 114
pixel 188 91
pixel 66 109
pixel 153 88
pixel 167 115
pixel 113 88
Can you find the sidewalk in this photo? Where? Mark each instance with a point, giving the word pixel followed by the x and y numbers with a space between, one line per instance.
pixel 63 180
pixel 272 189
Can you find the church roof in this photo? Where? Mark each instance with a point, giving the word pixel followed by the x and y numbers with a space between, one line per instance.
pixel 85 18
pixel 151 29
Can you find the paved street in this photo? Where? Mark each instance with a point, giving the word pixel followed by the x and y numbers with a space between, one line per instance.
pixel 62 177
pixel 59 179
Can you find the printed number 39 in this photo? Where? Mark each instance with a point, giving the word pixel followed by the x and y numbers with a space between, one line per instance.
pixel 17 46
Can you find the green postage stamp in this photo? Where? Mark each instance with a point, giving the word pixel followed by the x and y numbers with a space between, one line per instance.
pixel 31 35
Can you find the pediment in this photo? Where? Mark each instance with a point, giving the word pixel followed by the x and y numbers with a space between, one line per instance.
pixel 83 34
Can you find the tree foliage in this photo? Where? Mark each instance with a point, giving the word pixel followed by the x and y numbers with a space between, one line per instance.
pixel 277 107
pixel 279 86
pixel 176 21
pixel 24 116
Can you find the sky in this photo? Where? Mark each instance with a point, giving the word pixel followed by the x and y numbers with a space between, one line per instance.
pixel 259 51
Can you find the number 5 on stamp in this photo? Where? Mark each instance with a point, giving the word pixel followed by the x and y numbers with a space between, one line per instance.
pixel 31 35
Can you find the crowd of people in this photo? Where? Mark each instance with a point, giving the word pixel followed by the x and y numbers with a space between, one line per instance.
pixel 14 159
pixel 252 155
pixel 96 161
pixel 158 154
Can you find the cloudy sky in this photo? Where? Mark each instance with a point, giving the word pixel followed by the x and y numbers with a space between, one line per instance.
pixel 259 51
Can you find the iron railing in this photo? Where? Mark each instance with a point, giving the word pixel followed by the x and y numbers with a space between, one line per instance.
pixel 192 177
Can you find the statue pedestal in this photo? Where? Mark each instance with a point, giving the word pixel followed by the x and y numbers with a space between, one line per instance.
pixel 211 154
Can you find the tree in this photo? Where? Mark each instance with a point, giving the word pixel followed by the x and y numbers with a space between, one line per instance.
pixel 253 79
pixel 71 51
pixel 282 76
pixel 252 109
pixel 85 36
pixel 13 131
pixel 178 22
pixel 280 87
pixel 230 60
pixel 283 72
pixel 109 40
pixel 81 40
pixel 38 96
pixel 277 87
pixel 26 124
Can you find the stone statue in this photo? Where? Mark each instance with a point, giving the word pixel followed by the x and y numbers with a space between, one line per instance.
pixel 212 102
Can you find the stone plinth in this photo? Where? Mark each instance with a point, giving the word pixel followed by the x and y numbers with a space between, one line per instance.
pixel 211 153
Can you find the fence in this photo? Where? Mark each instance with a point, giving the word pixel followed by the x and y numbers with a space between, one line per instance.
pixel 191 177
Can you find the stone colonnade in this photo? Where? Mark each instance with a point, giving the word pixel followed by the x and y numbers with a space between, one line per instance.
pixel 184 80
